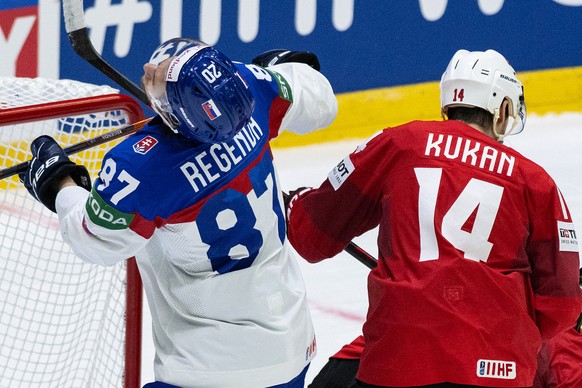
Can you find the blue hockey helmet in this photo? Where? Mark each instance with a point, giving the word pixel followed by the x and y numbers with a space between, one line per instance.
pixel 205 99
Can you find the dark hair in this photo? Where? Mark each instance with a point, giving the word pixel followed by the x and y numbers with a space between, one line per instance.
pixel 471 115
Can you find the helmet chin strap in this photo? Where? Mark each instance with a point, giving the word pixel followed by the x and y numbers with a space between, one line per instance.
pixel 501 136
pixel 498 136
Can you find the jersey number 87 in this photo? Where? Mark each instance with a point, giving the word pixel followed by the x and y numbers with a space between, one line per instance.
pixel 235 225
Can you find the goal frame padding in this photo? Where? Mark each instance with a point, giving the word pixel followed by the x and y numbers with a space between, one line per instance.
pixel 134 298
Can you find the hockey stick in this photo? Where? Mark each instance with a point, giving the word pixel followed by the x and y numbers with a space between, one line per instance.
pixel 79 38
pixel 361 255
pixel 82 146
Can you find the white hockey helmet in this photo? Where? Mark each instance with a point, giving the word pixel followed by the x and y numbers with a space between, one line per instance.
pixel 483 79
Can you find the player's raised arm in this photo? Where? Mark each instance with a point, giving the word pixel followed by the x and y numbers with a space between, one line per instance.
pixel 313 103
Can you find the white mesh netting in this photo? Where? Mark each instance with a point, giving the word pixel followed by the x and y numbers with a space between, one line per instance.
pixel 62 321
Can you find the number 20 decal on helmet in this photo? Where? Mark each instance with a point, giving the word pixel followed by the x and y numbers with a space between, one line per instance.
pixel 205 98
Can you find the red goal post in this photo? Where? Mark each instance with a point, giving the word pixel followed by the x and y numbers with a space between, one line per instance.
pixel 63 322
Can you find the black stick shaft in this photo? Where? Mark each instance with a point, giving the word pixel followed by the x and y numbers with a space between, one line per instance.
pixel 82 146
pixel 74 16
pixel 361 255
pixel 84 48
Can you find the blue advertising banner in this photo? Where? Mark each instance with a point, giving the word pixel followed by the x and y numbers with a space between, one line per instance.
pixel 9 4
pixel 362 45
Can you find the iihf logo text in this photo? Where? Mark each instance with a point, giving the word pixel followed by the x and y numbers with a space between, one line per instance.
pixel 496 369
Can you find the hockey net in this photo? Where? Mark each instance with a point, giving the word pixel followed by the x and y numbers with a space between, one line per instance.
pixel 63 322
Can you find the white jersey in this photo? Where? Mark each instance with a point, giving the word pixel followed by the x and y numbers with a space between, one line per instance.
pixel 206 225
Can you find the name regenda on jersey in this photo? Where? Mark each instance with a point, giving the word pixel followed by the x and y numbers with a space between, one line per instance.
pixel 468 151
pixel 220 158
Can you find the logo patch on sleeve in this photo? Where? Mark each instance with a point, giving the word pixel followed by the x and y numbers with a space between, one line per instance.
pixel 284 88
pixel 102 214
pixel 144 145
pixel 340 173
pixel 567 236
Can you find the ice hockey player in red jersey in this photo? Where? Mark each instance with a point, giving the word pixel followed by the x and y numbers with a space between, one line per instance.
pixel 478 257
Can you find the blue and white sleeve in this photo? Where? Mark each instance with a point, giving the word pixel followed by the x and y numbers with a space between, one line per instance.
pixel 314 102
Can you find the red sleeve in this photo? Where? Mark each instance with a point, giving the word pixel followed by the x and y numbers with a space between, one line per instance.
pixel 322 222
pixel 553 251
pixel 351 351
pixel 560 361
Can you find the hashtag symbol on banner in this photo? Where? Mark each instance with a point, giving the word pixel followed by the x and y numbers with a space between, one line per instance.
pixel 122 16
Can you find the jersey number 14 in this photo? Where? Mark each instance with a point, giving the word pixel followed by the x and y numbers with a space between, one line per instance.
pixel 480 196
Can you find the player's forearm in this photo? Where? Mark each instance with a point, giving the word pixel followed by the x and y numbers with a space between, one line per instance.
pixel 307 239
pixel 87 241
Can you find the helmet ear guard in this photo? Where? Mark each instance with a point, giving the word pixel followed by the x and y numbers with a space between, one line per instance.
pixel 484 80
pixel 205 99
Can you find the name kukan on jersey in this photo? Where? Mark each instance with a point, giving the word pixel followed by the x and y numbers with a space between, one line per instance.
pixel 467 151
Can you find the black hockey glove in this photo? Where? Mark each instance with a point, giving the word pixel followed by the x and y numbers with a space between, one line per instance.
pixel 289 198
pixel 48 167
pixel 274 57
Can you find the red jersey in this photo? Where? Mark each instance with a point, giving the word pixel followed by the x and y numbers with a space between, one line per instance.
pixel 351 351
pixel 478 257
pixel 560 362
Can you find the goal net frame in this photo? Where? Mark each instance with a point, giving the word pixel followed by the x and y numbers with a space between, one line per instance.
pixel 87 101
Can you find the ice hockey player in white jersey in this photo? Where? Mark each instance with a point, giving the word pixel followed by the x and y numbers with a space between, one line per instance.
pixel 195 198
